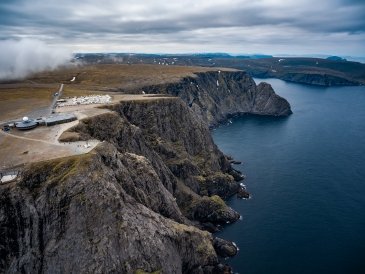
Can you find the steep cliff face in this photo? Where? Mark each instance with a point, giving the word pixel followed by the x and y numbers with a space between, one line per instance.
pixel 179 147
pixel 80 215
pixel 135 203
pixel 319 79
pixel 138 201
pixel 215 96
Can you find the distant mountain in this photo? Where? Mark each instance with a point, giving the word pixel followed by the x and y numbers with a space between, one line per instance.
pixel 259 56
pixel 212 55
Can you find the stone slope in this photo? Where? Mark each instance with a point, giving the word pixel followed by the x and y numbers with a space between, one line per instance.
pixel 139 201
pixel 177 144
pixel 318 79
pixel 134 203
pixel 217 95
pixel 75 215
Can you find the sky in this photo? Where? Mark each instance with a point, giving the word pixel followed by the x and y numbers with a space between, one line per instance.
pixel 294 27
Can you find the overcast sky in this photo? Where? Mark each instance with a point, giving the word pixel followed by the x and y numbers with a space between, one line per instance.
pixel 334 27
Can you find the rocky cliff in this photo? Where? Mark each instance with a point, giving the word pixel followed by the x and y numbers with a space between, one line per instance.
pixel 310 78
pixel 145 198
pixel 133 205
pixel 97 214
pixel 217 95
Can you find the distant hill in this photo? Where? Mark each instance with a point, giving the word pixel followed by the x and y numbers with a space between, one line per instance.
pixel 332 71
pixel 212 55
pixel 259 56
pixel 336 58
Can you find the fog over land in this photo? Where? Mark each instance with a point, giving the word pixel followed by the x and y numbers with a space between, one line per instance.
pixel 19 58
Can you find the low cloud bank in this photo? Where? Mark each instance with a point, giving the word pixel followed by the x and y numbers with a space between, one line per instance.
pixel 19 58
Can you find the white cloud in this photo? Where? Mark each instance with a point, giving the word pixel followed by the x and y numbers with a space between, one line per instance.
pixel 19 58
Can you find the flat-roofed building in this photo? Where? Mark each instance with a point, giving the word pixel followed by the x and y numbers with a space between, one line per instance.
pixel 26 124
pixel 59 119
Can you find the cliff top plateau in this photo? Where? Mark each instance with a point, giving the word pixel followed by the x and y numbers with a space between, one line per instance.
pixel 135 185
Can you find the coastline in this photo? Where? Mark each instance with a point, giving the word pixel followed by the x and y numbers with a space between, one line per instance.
pixel 291 169
pixel 149 163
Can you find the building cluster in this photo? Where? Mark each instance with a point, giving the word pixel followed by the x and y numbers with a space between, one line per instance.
pixel 84 100
pixel 26 123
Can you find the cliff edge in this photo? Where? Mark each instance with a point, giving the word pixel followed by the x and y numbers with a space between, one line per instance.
pixel 147 198
pixel 217 95
pixel 135 204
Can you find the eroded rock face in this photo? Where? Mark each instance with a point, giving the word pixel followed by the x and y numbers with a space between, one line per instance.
pixel 133 203
pixel 179 148
pixel 317 79
pixel 80 215
pixel 217 95
pixel 224 248
pixel 137 201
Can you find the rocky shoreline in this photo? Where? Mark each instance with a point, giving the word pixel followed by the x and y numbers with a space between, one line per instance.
pixel 217 96
pixel 145 199
pixel 313 79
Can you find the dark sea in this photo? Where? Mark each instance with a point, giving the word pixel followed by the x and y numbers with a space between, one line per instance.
pixel 306 174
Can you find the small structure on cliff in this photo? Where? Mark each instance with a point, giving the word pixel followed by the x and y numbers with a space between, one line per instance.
pixel 59 119
pixel 26 124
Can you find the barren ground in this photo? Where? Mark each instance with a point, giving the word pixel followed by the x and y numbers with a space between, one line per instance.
pixel 30 96
pixel 20 98
pixel 42 143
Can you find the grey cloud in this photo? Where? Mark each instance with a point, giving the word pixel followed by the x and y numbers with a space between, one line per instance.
pixel 71 21
pixel 329 18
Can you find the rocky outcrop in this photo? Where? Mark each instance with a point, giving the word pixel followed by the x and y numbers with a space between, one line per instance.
pixel 135 203
pixel 224 248
pixel 318 79
pixel 217 95
pixel 81 215
pixel 142 200
pixel 178 146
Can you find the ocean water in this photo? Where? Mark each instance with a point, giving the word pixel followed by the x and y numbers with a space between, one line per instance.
pixel 306 174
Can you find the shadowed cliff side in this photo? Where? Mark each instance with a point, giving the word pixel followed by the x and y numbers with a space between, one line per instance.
pixel 135 203
pixel 74 215
pixel 217 95
pixel 139 202
pixel 179 147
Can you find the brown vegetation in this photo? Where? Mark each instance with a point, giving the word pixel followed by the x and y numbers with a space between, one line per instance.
pixel 17 100
pixel 21 97
pixel 108 76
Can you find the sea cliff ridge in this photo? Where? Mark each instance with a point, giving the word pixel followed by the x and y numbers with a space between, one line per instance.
pixel 147 198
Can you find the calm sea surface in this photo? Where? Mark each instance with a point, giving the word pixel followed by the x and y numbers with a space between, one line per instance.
pixel 306 174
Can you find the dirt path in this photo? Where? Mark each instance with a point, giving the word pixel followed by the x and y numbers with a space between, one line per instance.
pixel 26 138
pixel 17 150
pixel 20 147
